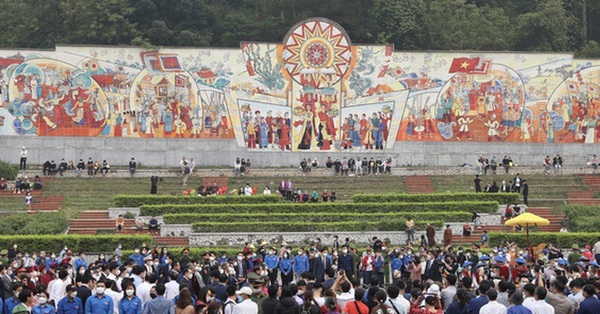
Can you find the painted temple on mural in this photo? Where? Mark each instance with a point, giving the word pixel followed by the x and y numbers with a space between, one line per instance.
pixel 314 91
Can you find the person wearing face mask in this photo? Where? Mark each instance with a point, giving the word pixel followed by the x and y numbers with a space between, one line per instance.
pixel 159 305
pixel 130 303
pixel 143 289
pixel 137 257
pixel 241 267
pixel 272 262
pixel 345 263
pixel 43 307
pixel 99 303
pixel 300 264
pixel 71 303
pixel 285 269
pixel 321 264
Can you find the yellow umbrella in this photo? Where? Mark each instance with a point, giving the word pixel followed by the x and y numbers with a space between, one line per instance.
pixel 527 219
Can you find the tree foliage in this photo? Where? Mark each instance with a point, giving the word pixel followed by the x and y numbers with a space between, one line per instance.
pixel 537 25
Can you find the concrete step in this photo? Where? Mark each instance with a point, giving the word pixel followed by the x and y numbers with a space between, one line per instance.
pixel 98 223
pixel 93 214
pixel 580 194
pixel 582 201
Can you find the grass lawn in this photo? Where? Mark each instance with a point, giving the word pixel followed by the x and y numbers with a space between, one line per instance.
pixel 96 193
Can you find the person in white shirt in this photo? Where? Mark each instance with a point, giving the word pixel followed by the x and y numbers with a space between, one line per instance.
pixel 143 290
pixel 59 288
pixel 267 191
pixel 449 291
pixel 114 295
pixel 577 294
pixel 347 294
pixel 493 307
pixel 540 306
pixel 247 306
pixel 528 292
pixel 172 287
pixel 396 298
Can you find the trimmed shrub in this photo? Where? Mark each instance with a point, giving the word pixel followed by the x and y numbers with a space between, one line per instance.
pixel 313 217
pixel 75 242
pixel 40 223
pixel 558 239
pixel 501 198
pixel 139 200
pixel 480 207
pixel 279 226
pixel 8 171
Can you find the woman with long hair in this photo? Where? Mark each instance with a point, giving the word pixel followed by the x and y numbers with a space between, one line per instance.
pixel 184 303
pixel 130 303
pixel 310 305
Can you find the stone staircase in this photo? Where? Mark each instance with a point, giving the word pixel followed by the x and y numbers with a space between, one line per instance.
pixel 419 185
pixel 93 221
pixel 545 212
pixel 582 198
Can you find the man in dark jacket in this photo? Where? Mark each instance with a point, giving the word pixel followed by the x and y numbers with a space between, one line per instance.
pixel 287 304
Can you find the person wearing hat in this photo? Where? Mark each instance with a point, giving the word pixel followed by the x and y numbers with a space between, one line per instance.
pixel 70 303
pixel 574 255
pixel 4 256
pixel 504 269
pixel 247 306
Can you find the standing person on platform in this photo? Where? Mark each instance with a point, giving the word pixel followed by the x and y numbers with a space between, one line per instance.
pixel 447 236
pixel 154 184
pixel 132 166
pixel 23 161
pixel 477 182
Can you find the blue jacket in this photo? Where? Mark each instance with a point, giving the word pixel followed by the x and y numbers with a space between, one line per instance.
pixel 476 304
pixel 589 305
pixel 345 263
pixel 271 261
pixel 97 305
pixel 138 259
pixel 285 265
pixel 133 306
pixel 46 309
pixel 9 305
pixel 66 306
pixel 378 262
pixel 80 262
pixel 397 264
pixel 300 264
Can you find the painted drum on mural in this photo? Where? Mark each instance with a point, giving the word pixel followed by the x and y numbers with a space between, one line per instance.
pixel 315 91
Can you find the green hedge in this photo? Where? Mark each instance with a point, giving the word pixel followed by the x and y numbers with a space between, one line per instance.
pixel 582 218
pixel 139 200
pixel 501 198
pixel 280 226
pixel 558 239
pixel 481 207
pixel 313 217
pixel 8 171
pixel 40 223
pixel 75 242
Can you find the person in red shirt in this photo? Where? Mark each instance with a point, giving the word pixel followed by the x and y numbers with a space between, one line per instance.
pixel 357 306
pixel 504 269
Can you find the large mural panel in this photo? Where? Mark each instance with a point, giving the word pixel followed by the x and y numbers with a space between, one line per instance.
pixel 315 91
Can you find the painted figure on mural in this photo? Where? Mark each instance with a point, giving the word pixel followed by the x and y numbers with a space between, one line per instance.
pixel 305 124
pixel 326 128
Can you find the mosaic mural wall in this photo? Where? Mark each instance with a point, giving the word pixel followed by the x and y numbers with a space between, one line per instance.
pixel 314 91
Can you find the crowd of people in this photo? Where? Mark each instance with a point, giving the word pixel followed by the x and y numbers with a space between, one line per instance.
pixel 315 278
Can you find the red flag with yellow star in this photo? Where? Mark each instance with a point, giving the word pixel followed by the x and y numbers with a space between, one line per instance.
pixel 463 65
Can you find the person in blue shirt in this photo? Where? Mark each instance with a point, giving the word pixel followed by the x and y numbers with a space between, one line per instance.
pixel 10 303
pixel 80 261
pixel 223 259
pixel 43 307
pixel 477 303
pixel 590 304
pixel 300 264
pixel 99 303
pixel 1 305
pixel 70 304
pixel 272 261
pixel 130 303
pixel 137 257
pixel 285 267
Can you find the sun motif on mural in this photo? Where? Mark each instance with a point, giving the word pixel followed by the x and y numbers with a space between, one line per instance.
pixel 317 53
